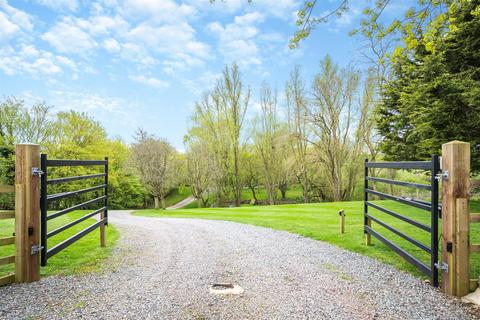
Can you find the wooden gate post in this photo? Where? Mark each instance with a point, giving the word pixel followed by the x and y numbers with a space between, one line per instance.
pixel 27 212
pixel 455 217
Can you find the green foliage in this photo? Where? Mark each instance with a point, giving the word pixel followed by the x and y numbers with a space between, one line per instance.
pixel 67 135
pixel 434 94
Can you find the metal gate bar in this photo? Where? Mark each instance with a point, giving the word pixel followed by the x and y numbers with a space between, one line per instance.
pixel 433 207
pixel 46 198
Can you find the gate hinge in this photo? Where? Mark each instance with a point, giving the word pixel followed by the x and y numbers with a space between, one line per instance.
pixel 35 249
pixel 37 172
pixel 442 175
pixel 440 265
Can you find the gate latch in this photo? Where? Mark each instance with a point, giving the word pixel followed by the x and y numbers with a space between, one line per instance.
pixel 36 249
pixel 442 175
pixel 37 172
pixel 440 265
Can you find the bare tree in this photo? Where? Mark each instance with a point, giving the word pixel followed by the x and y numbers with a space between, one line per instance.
pixel 155 161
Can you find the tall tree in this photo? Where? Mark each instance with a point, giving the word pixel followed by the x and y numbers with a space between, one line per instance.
pixel 155 161
pixel 298 130
pixel 218 122
pixel 200 168
pixel 234 103
pixel 268 141
pixel 336 136
pixel 434 93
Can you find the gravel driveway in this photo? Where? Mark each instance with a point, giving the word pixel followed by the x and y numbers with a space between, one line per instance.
pixel 163 269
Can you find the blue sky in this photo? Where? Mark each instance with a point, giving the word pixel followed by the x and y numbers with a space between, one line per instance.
pixel 143 63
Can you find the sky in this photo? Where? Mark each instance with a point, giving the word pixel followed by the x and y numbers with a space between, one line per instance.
pixel 144 63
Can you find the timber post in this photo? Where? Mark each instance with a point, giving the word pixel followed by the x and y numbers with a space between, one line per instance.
pixel 27 212
pixel 456 217
pixel 341 213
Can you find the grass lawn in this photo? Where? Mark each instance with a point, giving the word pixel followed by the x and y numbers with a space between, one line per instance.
pixel 85 255
pixel 320 221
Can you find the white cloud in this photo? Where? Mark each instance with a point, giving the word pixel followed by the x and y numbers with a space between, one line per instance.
pixel 85 101
pixel 153 82
pixel 111 45
pixel 7 28
pixel 12 21
pixel 33 61
pixel 237 40
pixel 70 5
pixel 161 10
pixel 67 36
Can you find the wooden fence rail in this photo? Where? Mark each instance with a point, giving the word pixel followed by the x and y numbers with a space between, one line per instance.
pixel 7 214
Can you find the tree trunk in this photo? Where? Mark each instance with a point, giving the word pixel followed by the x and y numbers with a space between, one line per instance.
pixel 283 190
pixel 157 204
pixel 254 195
pixel 162 198
pixel 305 188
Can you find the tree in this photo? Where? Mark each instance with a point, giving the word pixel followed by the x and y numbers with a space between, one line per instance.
pixel 234 104
pixel 433 95
pixel 268 142
pixel 336 137
pixel 154 160
pixel 218 121
pixel 298 131
pixel 251 173
pixel 200 166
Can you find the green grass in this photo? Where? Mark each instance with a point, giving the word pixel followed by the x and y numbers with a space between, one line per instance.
pixel 320 221
pixel 85 255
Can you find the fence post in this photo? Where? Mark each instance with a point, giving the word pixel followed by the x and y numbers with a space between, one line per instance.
pixel 341 213
pixel 455 216
pixel 27 213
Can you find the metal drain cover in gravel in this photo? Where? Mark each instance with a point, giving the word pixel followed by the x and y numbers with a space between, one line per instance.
pixel 226 288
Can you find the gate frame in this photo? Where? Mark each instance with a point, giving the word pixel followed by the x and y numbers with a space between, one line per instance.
pixel 433 207
pixel 46 252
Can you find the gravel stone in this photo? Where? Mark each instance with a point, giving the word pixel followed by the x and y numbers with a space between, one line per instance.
pixel 163 268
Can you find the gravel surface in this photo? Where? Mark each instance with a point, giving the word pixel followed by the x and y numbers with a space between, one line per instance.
pixel 163 269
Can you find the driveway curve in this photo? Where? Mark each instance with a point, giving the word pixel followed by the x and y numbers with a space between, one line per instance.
pixel 163 269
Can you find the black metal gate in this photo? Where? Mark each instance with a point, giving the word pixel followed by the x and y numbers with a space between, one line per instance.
pixel 46 199
pixel 432 206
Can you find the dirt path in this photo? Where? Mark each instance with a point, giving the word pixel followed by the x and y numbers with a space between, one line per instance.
pixel 182 203
pixel 163 269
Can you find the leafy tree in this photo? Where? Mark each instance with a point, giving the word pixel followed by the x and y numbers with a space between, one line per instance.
pixel 155 161
pixel 218 122
pixel 268 141
pixel 434 94
pixel 298 129
pixel 200 166
pixel 337 138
